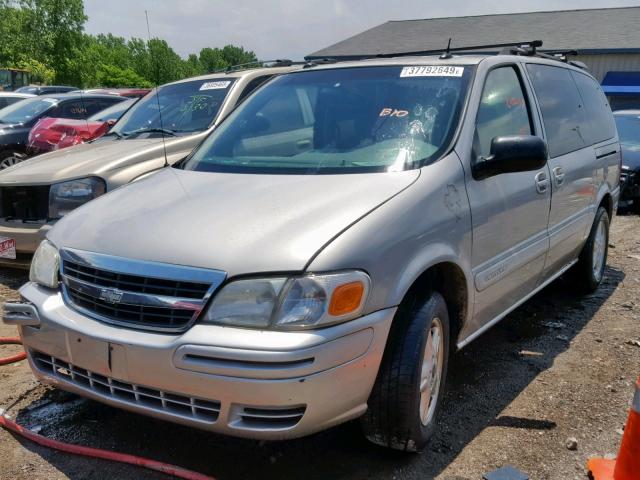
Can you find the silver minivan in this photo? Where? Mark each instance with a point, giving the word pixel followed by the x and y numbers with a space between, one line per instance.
pixel 319 256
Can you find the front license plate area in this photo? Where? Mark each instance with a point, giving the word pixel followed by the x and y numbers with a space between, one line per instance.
pixel 97 356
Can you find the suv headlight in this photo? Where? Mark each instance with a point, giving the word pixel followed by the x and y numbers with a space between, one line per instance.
pixel 310 301
pixel 45 265
pixel 65 196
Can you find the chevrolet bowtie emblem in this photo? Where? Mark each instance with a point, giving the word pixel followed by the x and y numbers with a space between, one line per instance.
pixel 110 295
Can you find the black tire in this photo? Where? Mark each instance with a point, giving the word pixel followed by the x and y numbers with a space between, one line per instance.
pixel 585 277
pixel 16 157
pixel 393 417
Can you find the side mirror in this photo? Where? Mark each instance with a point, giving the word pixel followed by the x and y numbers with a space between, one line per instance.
pixel 509 154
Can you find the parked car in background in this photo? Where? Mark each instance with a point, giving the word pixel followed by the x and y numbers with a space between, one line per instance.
pixel 320 254
pixel 51 134
pixel 147 138
pixel 628 123
pixel 9 98
pixel 17 120
pixel 45 89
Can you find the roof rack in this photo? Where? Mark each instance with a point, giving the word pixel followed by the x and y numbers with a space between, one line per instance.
pixel 282 62
pixel 526 48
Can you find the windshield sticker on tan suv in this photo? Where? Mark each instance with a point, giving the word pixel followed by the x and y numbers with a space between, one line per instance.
pixel 215 85
pixel 432 71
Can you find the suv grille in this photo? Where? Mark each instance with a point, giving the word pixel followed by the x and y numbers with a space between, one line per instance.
pixel 123 295
pixel 26 203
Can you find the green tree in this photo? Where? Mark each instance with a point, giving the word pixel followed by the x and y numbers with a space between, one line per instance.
pixel 213 59
pixel 192 66
pixel 166 64
pixel 112 76
pixel 47 37
pixel 56 28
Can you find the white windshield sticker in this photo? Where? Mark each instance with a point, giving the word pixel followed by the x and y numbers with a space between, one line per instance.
pixel 215 85
pixel 432 71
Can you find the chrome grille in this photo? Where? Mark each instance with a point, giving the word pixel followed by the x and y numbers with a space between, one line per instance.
pixel 135 283
pixel 136 294
pixel 176 404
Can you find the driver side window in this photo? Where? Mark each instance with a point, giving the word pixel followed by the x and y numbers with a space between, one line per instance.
pixel 503 110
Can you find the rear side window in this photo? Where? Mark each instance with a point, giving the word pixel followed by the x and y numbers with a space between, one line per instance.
pixel 599 119
pixel 503 110
pixel 562 109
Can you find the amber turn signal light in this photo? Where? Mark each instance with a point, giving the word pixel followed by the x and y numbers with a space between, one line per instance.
pixel 346 298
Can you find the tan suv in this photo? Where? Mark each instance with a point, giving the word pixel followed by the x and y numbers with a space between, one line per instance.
pixel 159 130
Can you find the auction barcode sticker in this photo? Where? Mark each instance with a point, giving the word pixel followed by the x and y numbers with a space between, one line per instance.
pixel 432 71
pixel 215 85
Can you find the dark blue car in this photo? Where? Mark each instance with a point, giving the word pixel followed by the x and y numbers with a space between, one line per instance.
pixel 628 123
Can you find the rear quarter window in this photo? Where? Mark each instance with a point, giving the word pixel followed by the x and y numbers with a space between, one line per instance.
pixel 599 118
pixel 563 112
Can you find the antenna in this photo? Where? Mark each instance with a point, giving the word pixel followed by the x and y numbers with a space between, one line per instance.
pixel 446 55
pixel 164 145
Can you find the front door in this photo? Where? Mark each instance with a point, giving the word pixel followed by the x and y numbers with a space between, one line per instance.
pixel 510 211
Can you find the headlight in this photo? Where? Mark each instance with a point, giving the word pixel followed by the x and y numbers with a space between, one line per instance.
pixel 310 301
pixel 65 196
pixel 45 265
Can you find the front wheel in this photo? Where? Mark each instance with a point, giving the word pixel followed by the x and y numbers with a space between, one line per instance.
pixel 589 270
pixel 406 397
pixel 9 158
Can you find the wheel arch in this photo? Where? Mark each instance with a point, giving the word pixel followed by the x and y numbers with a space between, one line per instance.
pixel 448 278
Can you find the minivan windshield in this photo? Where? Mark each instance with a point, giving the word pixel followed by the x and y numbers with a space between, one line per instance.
pixel 628 129
pixel 26 110
pixel 343 120
pixel 185 107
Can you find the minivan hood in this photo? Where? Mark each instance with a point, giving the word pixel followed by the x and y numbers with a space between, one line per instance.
pixel 89 159
pixel 239 223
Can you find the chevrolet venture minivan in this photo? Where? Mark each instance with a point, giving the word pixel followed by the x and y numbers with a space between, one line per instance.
pixel 319 256
pixel 157 131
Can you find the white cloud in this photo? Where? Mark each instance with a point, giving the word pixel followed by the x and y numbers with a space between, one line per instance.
pixel 285 28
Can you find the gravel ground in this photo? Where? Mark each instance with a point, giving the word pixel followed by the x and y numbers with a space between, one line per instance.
pixel 560 366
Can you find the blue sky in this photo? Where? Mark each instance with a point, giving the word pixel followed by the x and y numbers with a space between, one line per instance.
pixel 286 28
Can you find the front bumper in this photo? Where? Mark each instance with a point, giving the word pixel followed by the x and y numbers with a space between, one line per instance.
pixel 27 237
pixel 247 383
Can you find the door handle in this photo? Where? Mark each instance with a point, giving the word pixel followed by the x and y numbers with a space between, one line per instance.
pixel 542 182
pixel 558 176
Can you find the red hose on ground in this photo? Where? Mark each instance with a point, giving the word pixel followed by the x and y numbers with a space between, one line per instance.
pixel 88 451
pixel 13 358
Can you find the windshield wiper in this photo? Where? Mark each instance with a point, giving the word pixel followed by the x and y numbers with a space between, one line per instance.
pixel 165 131
pixel 113 134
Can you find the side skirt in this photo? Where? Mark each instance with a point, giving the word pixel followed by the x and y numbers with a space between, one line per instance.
pixel 463 343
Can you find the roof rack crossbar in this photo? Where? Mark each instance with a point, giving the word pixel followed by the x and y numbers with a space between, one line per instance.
pixel 281 62
pixel 531 44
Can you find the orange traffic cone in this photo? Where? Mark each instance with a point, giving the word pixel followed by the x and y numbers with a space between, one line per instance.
pixel 627 465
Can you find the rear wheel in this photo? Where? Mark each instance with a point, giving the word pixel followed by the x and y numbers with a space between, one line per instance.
pixel 406 398
pixel 589 270
pixel 9 158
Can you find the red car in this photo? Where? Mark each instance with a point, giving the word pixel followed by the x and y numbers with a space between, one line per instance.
pixel 56 133
pixel 122 92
